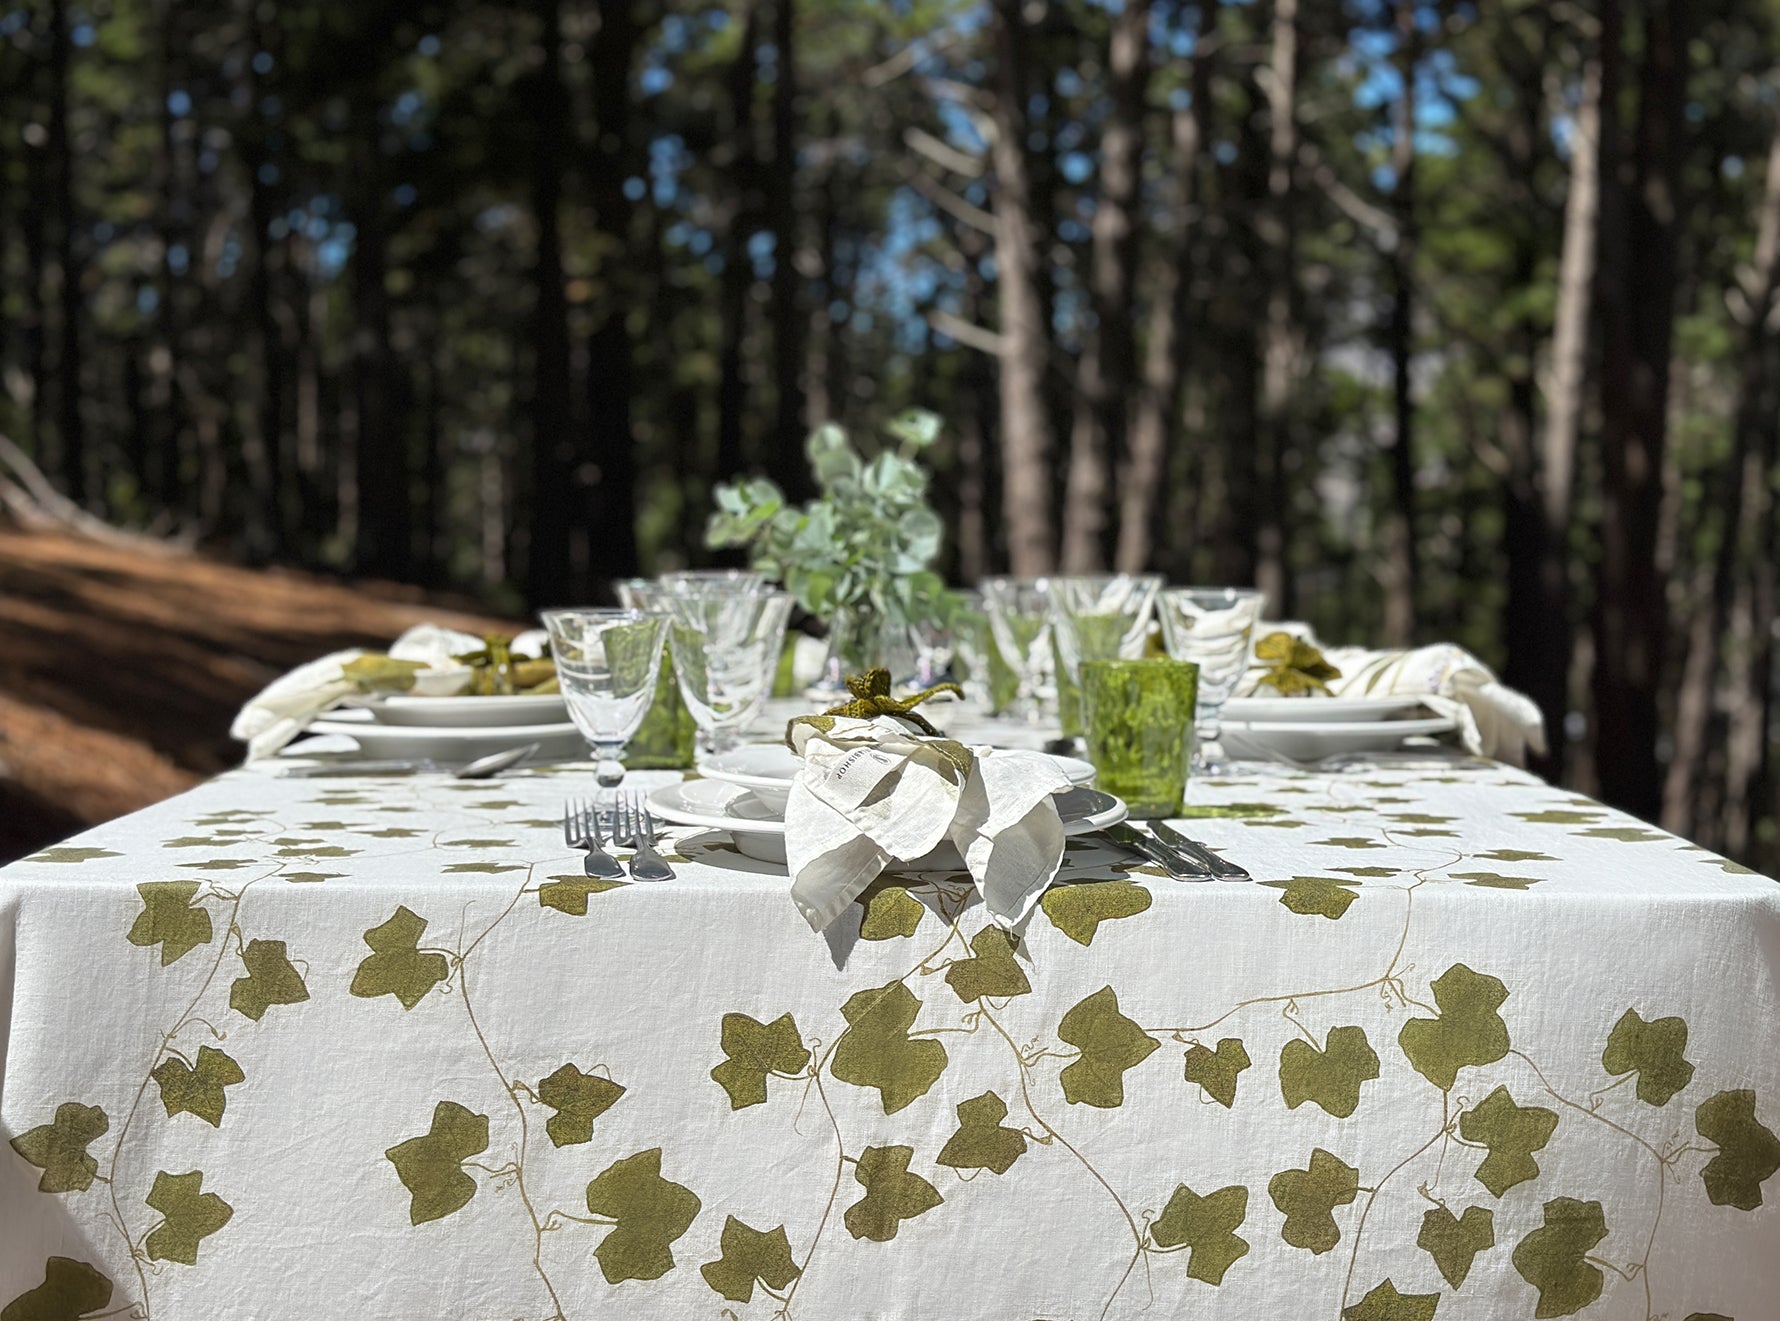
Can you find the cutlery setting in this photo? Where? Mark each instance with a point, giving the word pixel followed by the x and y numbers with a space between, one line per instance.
pixel 1183 858
pixel 627 824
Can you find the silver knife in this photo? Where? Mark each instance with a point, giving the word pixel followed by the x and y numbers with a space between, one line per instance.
pixel 1180 868
pixel 1219 865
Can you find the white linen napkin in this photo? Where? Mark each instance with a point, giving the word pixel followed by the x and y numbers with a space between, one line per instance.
pixel 1493 719
pixel 873 792
pixel 284 708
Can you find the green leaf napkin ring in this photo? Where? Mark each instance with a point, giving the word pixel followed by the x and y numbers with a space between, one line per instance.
pixel 871 698
pixel 1295 668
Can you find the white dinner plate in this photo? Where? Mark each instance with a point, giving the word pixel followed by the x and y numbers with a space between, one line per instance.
pixel 465 712
pixel 1307 742
pixel 759 832
pixel 430 743
pixel 1317 710
pixel 769 768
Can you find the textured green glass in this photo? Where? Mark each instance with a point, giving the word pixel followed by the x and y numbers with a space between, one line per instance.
pixel 1139 717
pixel 1097 637
pixel 1069 694
pixel 667 737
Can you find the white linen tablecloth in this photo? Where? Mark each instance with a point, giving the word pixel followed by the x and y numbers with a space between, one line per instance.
pixel 376 1048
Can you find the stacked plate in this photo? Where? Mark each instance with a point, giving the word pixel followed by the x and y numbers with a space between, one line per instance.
pixel 745 791
pixel 455 729
pixel 1308 728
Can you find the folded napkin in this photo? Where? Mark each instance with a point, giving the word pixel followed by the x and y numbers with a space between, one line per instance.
pixel 1493 719
pixel 873 792
pixel 426 665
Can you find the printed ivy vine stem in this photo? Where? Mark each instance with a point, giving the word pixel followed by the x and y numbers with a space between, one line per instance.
pixel 1447 1124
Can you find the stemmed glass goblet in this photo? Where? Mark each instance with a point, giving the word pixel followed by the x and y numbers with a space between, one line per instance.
pixel 606 665
pixel 1211 626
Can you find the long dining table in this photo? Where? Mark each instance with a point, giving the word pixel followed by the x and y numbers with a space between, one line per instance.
pixel 1467 1046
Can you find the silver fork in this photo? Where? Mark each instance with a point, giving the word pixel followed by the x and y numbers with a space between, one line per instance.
pixel 580 830
pixel 645 864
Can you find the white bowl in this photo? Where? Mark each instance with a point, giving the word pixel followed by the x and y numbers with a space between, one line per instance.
pixel 465 711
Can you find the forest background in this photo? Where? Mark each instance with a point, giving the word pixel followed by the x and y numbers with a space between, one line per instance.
pixel 1437 320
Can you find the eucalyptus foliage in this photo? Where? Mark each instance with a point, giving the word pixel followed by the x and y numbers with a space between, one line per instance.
pixel 867 542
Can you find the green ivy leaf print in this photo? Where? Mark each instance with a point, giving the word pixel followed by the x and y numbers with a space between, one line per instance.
pixel 1469 1031
pixel 1495 880
pixel 396 967
pixel 170 919
pixel 198 1091
pixel 753 1050
pixel 270 980
pixel 651 1213
pixel 1374 872
pixel 1551 1257
pixel 892 1194
pixel 1559 816
pixel 1454 1241
pixel 1384 1303
pixel 59 1148
pixel 475 868
pixel 568 894
pixel 1748 1153
pixel 1516 855
pixel 890 911
pixel 431 1166
pixel 1332 1076
pixel 1109 1043
pixel 70 1290
pixel 70 853
pixel 1216 1070
pixel 749 1255
pixel 190 1215
pixel 875 1050
pixel 1654 1050
pixel 1512 1133
pixel 1705 1316
pixel 578 1099
pixel 993 971
pixel 1078 910
pixel 1351 842
pixel 982 1141
pixel 1320 896
pixel 1207 1225
pixel 1308 1198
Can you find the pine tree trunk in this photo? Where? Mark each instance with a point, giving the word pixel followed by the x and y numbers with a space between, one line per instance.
pixel 1400 537
pixel 738 270
pixel 1108 371
pixel 71 453
pixel 1024 332
pixel 1280 347
pixel 1639 260
pixel 785 458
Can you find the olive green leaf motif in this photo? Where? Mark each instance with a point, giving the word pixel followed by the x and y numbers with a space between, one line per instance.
pixel 71 853
pixel 651 1213
pixel 170 919
pixel 1384 1303
pixel 1216 1070
pixel 1551 1258
pixel 270 980
pixel 1308 1198
pixel 431 1166
pixel 1321 896
pixel 748 1255
pixel 1512 1133
pixel 1078 910
pixel 752 1050
pixel 578 1099
pixel 1468 1031
pixel 1653 1049
pixel 1495 880
pixel 1516 855
pixel 1208 1226
pixel 992 971
pixel 1332 1076
pixel 396 967
pixel 1454 1241
pixel 198 1091
pixel 1109 1043
pixel 1369 871
pixel 1691 1316
pixel 568 894
pixel 875 1050
pixel 890 911
pixel 892 1194
pixel 1351 842
pixel 982 1142
pixel 189 1215
pixel 70 1290
pixel 59 1148
pixel 1748 1153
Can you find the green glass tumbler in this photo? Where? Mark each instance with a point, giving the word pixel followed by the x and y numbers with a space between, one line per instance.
pixel 1139 718
pixel 667 738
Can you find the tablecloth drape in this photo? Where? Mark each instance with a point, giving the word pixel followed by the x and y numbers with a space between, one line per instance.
pixel 1470 1047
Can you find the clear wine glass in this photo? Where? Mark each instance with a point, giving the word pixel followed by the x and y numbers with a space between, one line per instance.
pixel 726 646
pixel 1019 611
pixel 606 666
pixel 1102 616
pixel 1213 627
